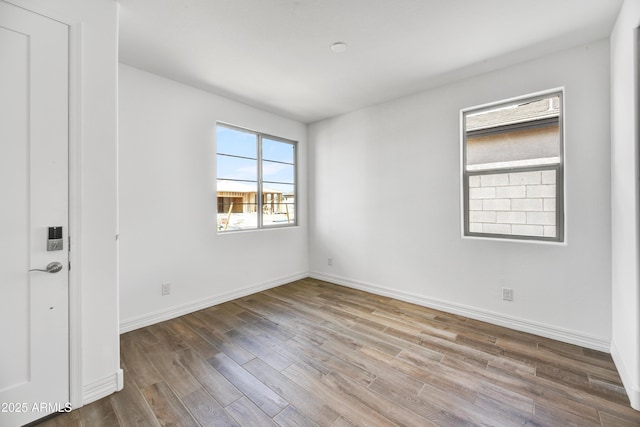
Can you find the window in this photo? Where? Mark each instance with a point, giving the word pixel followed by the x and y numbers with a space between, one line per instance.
pixel 256 180
pixel 513 169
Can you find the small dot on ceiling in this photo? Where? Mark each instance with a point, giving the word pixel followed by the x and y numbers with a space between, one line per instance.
pixel 339 47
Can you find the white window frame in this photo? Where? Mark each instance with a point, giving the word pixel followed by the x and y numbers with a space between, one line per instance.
pixel 259 196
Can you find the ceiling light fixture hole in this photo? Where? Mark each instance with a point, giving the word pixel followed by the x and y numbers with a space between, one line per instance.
pixel 339 47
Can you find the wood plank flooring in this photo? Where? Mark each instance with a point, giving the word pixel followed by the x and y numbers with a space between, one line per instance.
pixel 311 353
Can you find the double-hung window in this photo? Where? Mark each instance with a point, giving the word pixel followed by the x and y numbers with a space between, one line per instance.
pixel 256 180
pixel 512 156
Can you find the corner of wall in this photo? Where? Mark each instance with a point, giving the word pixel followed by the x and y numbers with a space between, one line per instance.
pixel 633 390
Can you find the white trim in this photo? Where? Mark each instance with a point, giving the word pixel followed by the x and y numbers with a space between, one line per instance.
pixel 180 310
pixel 119 379
pixel 102 387
pixel 516 323
pixel 75 192
pixel 633 390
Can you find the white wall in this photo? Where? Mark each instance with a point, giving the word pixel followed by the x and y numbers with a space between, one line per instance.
pixel 625 346
pixel 93 214
pixel 168 204
pixel 385 205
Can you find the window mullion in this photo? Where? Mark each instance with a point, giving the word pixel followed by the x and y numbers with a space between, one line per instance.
pixel 259 196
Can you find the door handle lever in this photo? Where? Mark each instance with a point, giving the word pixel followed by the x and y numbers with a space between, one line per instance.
pixel 52 267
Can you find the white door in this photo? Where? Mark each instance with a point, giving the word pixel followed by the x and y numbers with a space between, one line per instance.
pixel 34 349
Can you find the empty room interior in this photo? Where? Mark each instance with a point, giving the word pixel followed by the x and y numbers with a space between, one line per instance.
pixel 303 212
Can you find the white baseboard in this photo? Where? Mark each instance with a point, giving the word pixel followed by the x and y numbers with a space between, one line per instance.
pixel 524 325
pixel 102 387
pixel 180 310
pixel 633 390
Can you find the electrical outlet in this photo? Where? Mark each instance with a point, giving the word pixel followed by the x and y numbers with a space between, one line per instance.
pixel 507 294
pixel 329 261
pixel 166 288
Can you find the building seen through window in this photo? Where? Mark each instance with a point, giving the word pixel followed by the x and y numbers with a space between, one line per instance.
pixel 513 169
pixel 256 180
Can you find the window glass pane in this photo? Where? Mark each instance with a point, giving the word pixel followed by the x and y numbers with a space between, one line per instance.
pixel 237 168
pixel 237 205
pixel 278 204
pixel 516 203
pixel 255 188
pixel 525 137
pixel 516 135
pixel 278 151
pixel 235 142
pixel 277 172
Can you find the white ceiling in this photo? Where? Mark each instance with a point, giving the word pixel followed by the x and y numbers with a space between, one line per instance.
pixel 275 54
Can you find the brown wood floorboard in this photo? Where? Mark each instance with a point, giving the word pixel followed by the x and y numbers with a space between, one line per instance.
pixel 311 353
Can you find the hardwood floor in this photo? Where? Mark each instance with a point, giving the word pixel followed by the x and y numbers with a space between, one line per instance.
pixel 312 353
